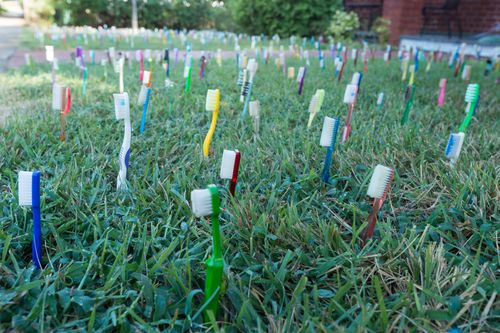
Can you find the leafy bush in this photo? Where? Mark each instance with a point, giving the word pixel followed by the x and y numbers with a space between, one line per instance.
pixel 344 24
pixel 284 17
pixel 382 28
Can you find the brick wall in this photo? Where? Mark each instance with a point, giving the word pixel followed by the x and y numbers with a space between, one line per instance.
pixel 476 16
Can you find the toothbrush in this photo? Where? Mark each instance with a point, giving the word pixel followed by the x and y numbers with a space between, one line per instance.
pixel 144 96
pixel 207 203
pixel 315 105
pixel 166 59
pixel 122 111
pixel 410 92
pixel 61 101
pixel 254 107
pixel 328 139
pixel 187 71
pixel 454 147
pixel 120 64
pixel 387 54
pixel 379 187
pixel 471 97
pixel 380 101
pixel 466 72
pixel 442 90
pixel 141 64
pixel 247 87
pixel 203 61
pixel 84 81
pixel 212 104
pixel 354 55
pixel 350 97
pixel 291 72
pixel 300 78
pixel 229 168
pixel 29 195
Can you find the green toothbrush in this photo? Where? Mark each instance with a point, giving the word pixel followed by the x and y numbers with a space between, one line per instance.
pixel 471 97
pixel 207 202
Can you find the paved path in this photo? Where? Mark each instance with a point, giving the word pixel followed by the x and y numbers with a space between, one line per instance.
pixel 10 30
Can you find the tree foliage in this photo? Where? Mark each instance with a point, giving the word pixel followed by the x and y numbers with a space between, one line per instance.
pixel 284 17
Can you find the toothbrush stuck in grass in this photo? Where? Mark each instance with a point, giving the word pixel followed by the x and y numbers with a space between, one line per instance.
pixel 454 147
pixel 229 167
pixel 315 105
pixel 410 92
pixel 122 111
pixel 442 90
pixel 144 96
pixel 29 195
pixel 187 72
pixel 328 139
pixel 247 86
pixel 207 203
pixel 472 98
pixel 350 99
pixel 379 187
pixel 212 104
pixel 380 100
pixel 300 78
pixel 61 101
pixel 254 107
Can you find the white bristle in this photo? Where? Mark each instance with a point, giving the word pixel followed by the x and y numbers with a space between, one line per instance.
pixel 355 78
pixel 49 53
pixel 312 104
pixel 300 74
pixel 186 71
pixel 201 201
pixel 442 83
pixel 56 97
pixel 472 92
pixel 327 132
pixel 454 146
pixel 254 108
pixel 212 99
pixel 338 65
pixel 227 165
pixel 380 98
pixel 142 95
pixel 380 181
pixel 252 67
pixel 350 93
pixel 25 182
pixel 146 77
pixel 122 106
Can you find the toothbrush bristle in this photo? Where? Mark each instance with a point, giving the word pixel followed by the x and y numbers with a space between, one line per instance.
pixel 472 92
pixel 227 165
pixel 355 78
pixel 350 93
pixel 25 188
pixel 380 98
pixel 56 97
pixel 313 103
pixel 122 106
pixel 142 95
pixel 213 99
pixel 380 181
pixel 252 66
pixel 321 96
pixel 254 108
pixel 201 201
pixel 454 145
pixel 329 131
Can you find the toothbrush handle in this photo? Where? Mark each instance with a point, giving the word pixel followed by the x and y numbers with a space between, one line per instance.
pixel 36 245
pixel 372 220
pixel 144 111
pixel 188 81
pixel 62 135
pixel 234 179
pixel 208 138
pixel 341 71
pixel 325 175
pixel 247 99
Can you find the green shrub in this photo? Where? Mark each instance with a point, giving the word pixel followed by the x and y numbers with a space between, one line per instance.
pixel 382 28
pixel 344 24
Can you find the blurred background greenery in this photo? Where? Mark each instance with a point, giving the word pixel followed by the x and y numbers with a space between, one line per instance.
pixel 283 17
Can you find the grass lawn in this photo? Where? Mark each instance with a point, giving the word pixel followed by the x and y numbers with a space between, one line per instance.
pixel 134 260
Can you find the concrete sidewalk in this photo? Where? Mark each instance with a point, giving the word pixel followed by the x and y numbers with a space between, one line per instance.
pixel 10 31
